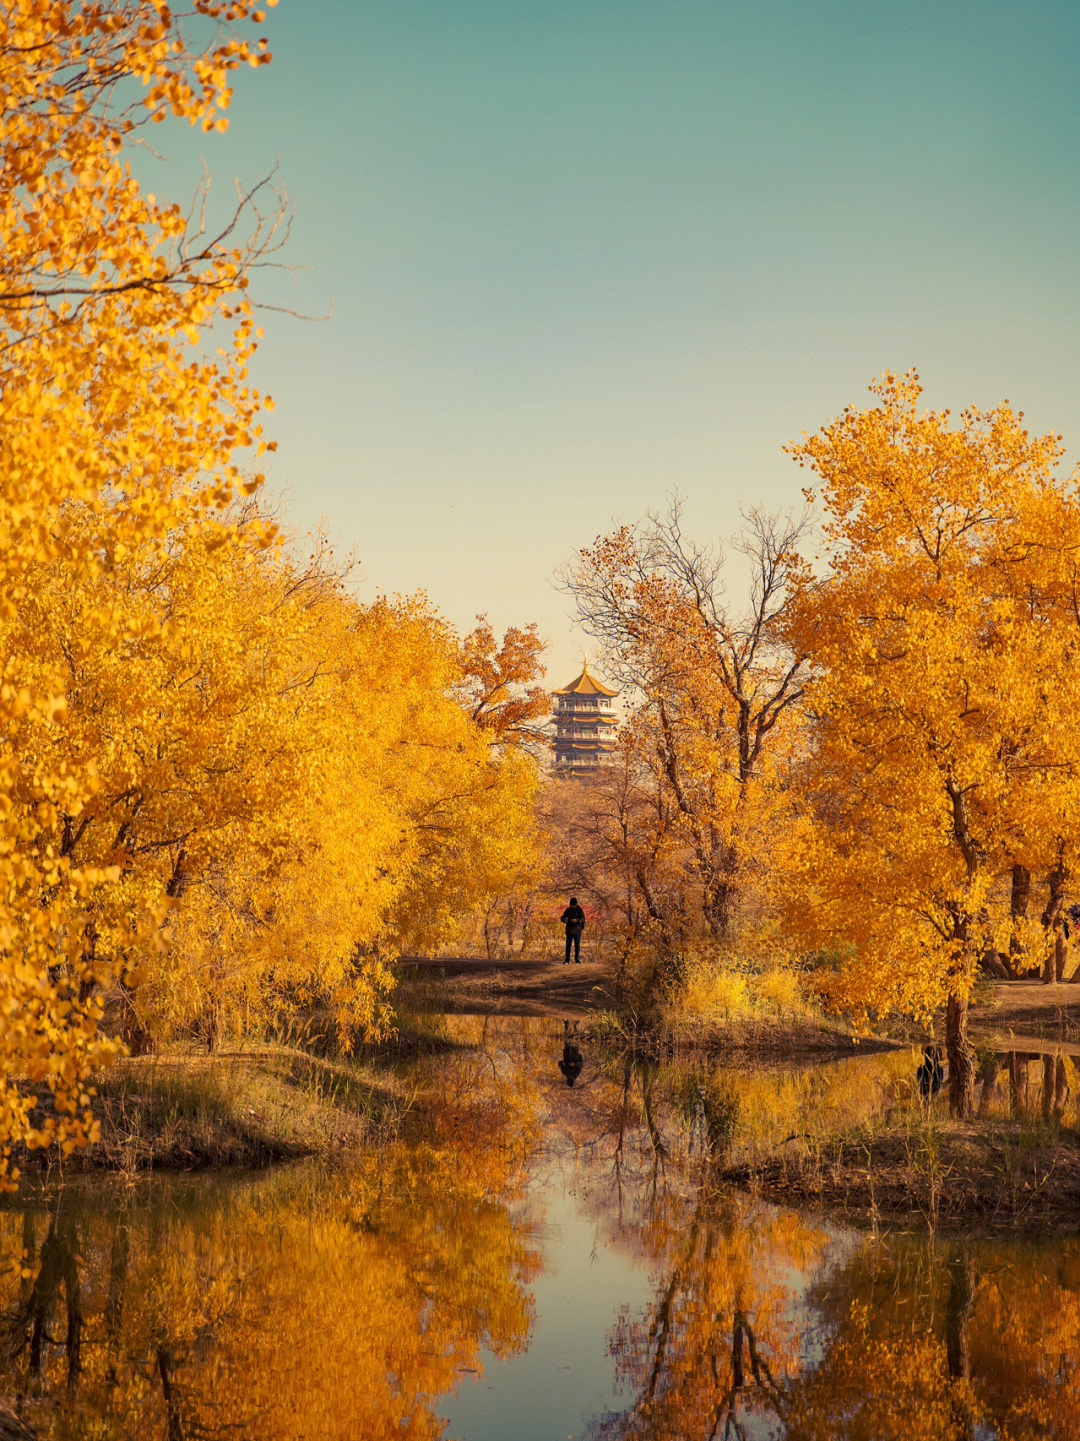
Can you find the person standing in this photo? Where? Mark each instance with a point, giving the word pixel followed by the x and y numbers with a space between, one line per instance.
pixel 573 918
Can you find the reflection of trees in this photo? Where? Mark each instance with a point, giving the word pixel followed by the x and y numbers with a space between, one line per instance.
pixel 911 1338
pixel 1024 1098
pixel 720 1337
pixel 27 1326
pixel 947 1340
pixel 313 1306
pixel 298 1306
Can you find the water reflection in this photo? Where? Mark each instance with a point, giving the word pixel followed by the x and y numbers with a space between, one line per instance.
pixel 274 1313
pixel 572 1059
pixel 289 1305
pixel 392 1298
pixel 722 1338
pixel 956 1338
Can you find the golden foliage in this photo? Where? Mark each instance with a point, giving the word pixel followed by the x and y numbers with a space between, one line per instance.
pixel 944 746
pixel 109 419
pixel 225 784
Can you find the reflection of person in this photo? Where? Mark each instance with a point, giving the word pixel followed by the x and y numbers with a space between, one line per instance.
pixel 930 1073
pixel 573 918
pixel 572 1061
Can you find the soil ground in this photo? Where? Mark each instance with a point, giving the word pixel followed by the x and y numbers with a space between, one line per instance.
pixel 541 986
pixel 519 987
pixel 1029 1008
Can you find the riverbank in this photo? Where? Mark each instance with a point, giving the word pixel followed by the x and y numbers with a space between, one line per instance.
pixel 233 1109
pixel 274 1102
pixel 930 1170
pixel 588 993
pixel 742 1039
pixel 1027 1008
pixel 520 986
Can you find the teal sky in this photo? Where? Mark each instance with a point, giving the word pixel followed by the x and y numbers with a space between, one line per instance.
pixel 580 254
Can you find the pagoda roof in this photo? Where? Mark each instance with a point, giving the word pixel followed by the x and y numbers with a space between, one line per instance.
pixel 585 684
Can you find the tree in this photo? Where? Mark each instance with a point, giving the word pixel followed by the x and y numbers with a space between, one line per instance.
pixel 104 412
pixel 941 740
pixel 715 691
pixel 226 784
pixel 499 686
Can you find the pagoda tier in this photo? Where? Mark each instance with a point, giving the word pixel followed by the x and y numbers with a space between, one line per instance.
pixel 584 724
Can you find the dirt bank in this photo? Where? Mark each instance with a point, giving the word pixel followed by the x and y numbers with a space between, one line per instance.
pixel 517 987
pixel 1013 1176
pixel 1029 1008
pixel 190 1112
pixel 1011 1011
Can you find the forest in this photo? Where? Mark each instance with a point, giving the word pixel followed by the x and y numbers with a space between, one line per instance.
pixel 229 786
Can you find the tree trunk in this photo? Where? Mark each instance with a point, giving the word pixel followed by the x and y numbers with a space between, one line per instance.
pixel 737 1352
pixel 957 1312
pixel 961 1058
pixel 488 913
pixel 1020 1082
pixel 659 1145
pixel 526 924
pixel 1048 975
pixel 119 1257
pixel 73 1339
pixel 213 1027
pixel 132 1031
pixel 1018 909
pixel 722 896
pixel 991 964
pixel 652 906
pixel 1061 1088
pixel 1016 1100
pixel 1052 922
pixel 958 1308
pixel 174 1416
pixel 989 1076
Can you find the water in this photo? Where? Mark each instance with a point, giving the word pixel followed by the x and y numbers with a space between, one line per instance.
pixel 532 1261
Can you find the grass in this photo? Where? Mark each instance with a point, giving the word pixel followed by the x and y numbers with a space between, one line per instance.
pixel 274 1102
pixel 915 1162
pixel 722 1002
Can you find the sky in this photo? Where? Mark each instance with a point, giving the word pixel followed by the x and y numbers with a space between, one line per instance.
pixel 570 257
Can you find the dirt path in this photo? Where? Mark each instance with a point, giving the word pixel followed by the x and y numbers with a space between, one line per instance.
pixel 541 987
pixel 528 987
pixel 1029 1008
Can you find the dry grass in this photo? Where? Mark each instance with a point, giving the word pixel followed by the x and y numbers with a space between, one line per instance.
pixel 724 1003
pixel 721 988
pixel 184 1112
pixel 922 1166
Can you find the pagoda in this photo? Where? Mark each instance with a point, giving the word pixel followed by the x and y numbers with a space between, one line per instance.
pixel 584 723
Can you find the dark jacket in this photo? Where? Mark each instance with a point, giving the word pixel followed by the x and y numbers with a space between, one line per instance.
pixel 930 1074
pixel 573 918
